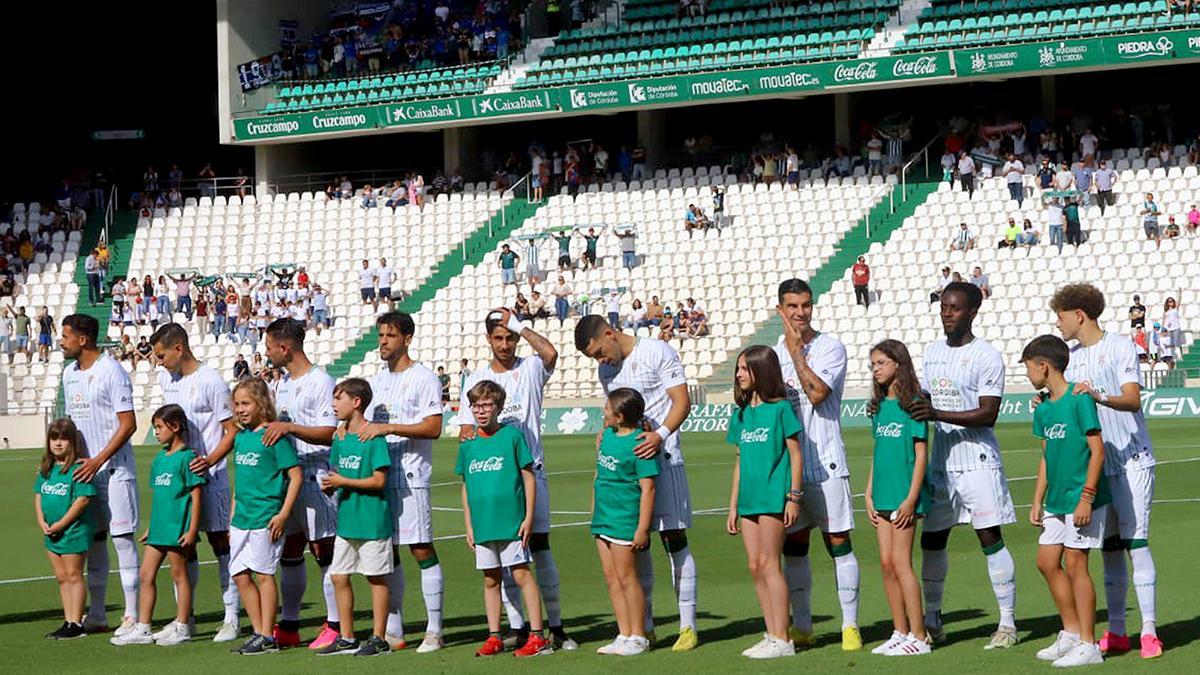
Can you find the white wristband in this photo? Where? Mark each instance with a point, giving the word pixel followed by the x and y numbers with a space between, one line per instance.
pixel 663 432
pixel 514 324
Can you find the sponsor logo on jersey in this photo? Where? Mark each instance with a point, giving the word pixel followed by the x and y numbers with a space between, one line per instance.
pixel 55 489
pixel 608 462
pixel 351 462
pixel 758 435
pixel 162 480
pixel 247 458
pixel 494 463
pixel 1055 432
pixel 892 430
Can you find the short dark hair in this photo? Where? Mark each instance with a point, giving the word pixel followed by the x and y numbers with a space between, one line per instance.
pixel 1084 297
pixel 628 404
pixel 170 335
pixel 401 321
pixel 587 329
pixel 83 324
pixel 288 330
pixel 489 390
pixel 1049 349
pixel 356 387
pixel 970 290
pixel 173 415
pixel 797 286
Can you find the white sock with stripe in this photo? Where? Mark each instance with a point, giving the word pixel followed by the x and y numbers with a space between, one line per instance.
pixel 1145 578
pixel 845 568
pixel 127 567
pixel 1003 573
pixel 432 587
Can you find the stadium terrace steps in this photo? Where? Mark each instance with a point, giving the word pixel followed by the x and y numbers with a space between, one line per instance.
pixel 1190 363
pixel 476 246
pixel 120 244
pixel 854 243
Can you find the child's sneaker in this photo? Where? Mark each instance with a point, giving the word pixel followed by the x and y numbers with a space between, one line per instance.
pixel 632 646
pixel 910 646
pixel 127 624
pixel 1152 647
pixel 1062 644
pixel 259 644
pixel 325 637
pixel 1111 643
pixel 774 648
pixel 166 630
pixel 374 646
pixel 491 647
pixel 536 645
pixel 179 634
pixel 228 632
pixel 687 641
pixel 282 639
pixel 339 647
pixel 757 646
pixel 1082 654
pixel 431 643
pixel 53 635
pixel 896 638
pixel 612 647
pixel 139 634
pixel 71 631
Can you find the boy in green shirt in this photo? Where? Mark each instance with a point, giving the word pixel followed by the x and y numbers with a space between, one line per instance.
pixel 358 471
pixel 1068 500
pixel 498 494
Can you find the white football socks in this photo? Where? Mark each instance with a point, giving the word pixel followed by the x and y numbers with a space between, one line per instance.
pixel 1145 578
pixel 432 587
pixel 1003 573
pixel 683 577
pixel 127 566
pixel 845 569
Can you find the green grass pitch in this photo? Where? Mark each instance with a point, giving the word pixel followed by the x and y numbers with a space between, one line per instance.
pixel 729 619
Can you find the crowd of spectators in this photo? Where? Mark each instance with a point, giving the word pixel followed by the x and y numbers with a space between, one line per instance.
pixel 1164 341
pixel 412 189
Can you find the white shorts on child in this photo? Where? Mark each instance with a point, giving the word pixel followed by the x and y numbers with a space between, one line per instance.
pixel 493 554
pixel 1060 530
pixel 614 540
pixel 369 557
pixel 253 550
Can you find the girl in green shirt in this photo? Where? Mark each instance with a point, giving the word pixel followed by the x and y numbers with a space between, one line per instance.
pixel 174 524
pixel 895 492
pixel 60 503
pixel 765 498
pixel 622 506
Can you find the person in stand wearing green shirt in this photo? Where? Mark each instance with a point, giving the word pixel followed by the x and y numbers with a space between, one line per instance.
pixel 895 493
pixel 358 472
pixel 765 498
pixel 60 502
pixel 498 493
pixel 268 482
pixel 564 250
pixel 1069 499
pixel 591 240
pixel 174 528
pixel 508 265
pixel 622 506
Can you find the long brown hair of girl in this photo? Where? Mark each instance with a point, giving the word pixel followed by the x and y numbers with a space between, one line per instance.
pixel 62 428
pixel 175 418
pixel 257 390
pixel 763 365
pixel 908 388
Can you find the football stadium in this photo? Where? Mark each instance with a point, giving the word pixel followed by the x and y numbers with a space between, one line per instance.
pixel 380 305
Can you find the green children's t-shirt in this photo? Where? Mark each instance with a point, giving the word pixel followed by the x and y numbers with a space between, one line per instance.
pixel 1064 424
pixel 362 514
pixel 760 433
pixel 491 470
pixel 616 506
pixel 59 491
pixel 171 483
pixel 896 434
pixel 261 478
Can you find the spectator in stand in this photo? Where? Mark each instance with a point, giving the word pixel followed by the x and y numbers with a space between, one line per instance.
pixel 562 294
pixel 1143 347
pixel 1064 180
pixel 508 265
pixel 1137 313
pixel 1173 326
pixel 368 197
pixel 600 164
pixel 697 325
pixel 183 293
pixel 563 239
pixel 533 269
pixel 1011 234
pixel 1104 179
pixel 612 308
pixel 219 311
pixel 1045 175
pixel 1014 177
pixel 174 176
pixel 203 313
pixel 397 196
pixel 207 182
pixel 241 369
pixel 966 173
pixel 1172 229
pixel 792 168
pixel 366 283
pixel 6 332
pixel 384 277
pixel 123 350
pixel 639 162
pixel 942 282
pixel 1074 227
pixel 1084 176
pixel 46 334
pixel 537 306
pixel 637 317
pixel 150 180
pixel 948 162
pixel 628 241
pixel 963 239
pixel 91 268
pixel 1149 214
pixel 875 155
pixel 591 242
pixel 142 352
pixel 718 201
pixel 1054 218
pixel 860 277
pixel 654 312
pixel 1088 145
pixel 690 222
pixel 444 380
pixel 241 183
pixel 980 281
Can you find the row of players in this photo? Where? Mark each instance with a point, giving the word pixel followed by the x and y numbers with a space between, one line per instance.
pixel 963 378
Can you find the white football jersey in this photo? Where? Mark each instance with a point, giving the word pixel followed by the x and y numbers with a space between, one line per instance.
pixel 93 399
pixel 651 369
pixel 956 378
pixel 206 401
pixel 1107 366
pixel 523 389
pixel 308 401
pixel 407 397
pixel 821 441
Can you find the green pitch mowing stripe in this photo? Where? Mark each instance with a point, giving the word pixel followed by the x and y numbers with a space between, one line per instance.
pixel 729 618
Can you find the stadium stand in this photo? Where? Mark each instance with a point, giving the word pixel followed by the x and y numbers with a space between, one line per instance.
pixel 949 24
pixel 904 269
pixel 430 83
pixel 732 33
pixel 732 274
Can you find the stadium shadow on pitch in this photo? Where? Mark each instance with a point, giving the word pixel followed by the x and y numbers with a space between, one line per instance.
pixel 1180 633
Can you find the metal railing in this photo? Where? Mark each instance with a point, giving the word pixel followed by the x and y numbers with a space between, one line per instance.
pixel 110 212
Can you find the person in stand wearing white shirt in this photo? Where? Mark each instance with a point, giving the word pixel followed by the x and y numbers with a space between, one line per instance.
pixel 1088 143
pixel 384 276
pixel 523 380
pixel 966 173
pixel 653 368
pixel 1014 177
pixel 792 167
pixel 320 308
pixel 407 410
pixel 98 395
pixel 1064 179
pixel 304 401
pixel 1105 366
pixel 813 366
pixel 1103 180
pixel 366 283
pixel 963 379
pixel 875 156
pixel 963 240
pixel 204 396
